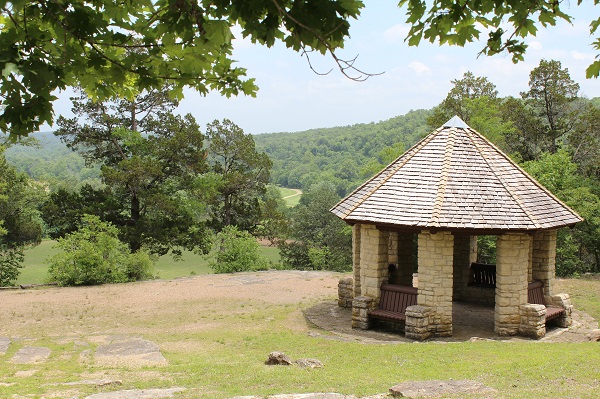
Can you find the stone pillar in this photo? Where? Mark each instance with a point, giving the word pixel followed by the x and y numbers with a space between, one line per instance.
pixel 435 280
pixel 345 292
pixel 544 259
pixel 373 260
pixel 356 258
pixel 512 260
pixel 533 321
pixel 465 252
pixel 406 258
pixel 360 312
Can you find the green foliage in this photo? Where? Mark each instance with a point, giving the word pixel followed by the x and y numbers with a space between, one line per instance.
pixel 20 222
pixel 114 48
pixel 139 266
pixel 243 171
pixel 236 251
pixel 508 23
pixel 323 241
pixel 274 224
pixel 11 262
pixel 52 164
pixel 578 249
pixel 150 161
pixel 341 156
pixel 94 255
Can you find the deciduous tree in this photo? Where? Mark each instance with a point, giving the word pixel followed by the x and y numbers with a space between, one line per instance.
pixel 148 157
pixel 244 173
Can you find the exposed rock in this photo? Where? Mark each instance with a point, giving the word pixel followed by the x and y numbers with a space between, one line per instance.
pixel 278 359
pixel 309 363
pixel 31 354
pixel 595 336
pixel 4 343
pixel 131 352
pixel 437 388
pixel 137 394
pixel 98 383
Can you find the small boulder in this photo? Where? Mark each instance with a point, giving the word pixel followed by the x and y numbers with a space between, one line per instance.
pixel 309 363
pixel 278 359
pixel 595 336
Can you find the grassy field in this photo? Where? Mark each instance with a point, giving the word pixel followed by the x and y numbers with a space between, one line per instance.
pixel 35 270
pixel 292 196
pixel 216 349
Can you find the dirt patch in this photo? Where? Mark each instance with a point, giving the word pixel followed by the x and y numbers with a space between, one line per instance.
pixel 49 312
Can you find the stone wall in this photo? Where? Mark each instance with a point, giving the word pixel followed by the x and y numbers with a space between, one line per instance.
pixel 435 280
pixel 512 262
pixel 373 260
pixel 345 292
pixel 544 259
pixel 356 258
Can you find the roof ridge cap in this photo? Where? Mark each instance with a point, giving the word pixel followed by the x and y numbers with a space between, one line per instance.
pixel 408 154
pixel 443 182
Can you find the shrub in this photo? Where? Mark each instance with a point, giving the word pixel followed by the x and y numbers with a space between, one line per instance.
pixel 11 261
pixel 94 255
pixel 236 251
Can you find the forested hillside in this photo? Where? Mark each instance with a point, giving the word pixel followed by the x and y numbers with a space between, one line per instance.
pixel 51 162
pixel 344 156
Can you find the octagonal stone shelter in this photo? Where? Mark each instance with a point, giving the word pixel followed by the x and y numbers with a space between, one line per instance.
pixel 424 212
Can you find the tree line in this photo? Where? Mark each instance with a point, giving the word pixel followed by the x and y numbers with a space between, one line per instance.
pixel 166 186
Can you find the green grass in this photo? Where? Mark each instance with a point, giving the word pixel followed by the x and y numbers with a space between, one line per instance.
pixel 35 268
pixel 216 349
pixel 293 199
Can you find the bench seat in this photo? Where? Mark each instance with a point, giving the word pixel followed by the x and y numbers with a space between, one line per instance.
pixel 535 295
pixel 393 301
pixel 482 275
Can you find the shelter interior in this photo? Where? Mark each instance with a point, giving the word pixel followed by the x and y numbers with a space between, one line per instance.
pixel 445 263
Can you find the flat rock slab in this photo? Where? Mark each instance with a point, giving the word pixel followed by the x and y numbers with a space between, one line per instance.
pixel 4 343
pixel 31 354
pixel 438 388
pixel 137 394
pixel 131 352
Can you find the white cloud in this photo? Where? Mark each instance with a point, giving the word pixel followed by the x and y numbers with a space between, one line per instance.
pixel 579 56
pixel 534 45
pixel 419 68
pixel 396 33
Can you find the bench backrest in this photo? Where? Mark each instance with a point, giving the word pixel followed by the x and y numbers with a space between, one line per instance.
pixel 397 298
pixel 483 274
pixel 535 293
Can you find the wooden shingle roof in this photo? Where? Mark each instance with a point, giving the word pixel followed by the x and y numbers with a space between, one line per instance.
pixel 455 179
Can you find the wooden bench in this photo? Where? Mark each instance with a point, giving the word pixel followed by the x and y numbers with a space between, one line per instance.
pixel 535 295
pixel 393 301
pixel 482 275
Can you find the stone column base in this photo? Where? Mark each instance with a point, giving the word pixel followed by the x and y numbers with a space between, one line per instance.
pixel 345 292
pixel 563 301
pixel 417 322
pixel 360 312
pixel 533 321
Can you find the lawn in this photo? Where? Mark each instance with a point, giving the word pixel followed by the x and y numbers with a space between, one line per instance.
pixel 291 196
pixel 190 264
pixel 216 343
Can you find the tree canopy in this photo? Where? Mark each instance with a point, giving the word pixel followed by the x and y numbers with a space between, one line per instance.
pixel 118 48
pixel 113 48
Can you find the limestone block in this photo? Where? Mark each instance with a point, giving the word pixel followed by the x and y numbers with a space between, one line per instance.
pixel 533 321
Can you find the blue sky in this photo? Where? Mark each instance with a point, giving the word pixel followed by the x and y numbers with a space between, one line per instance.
pixel 293 98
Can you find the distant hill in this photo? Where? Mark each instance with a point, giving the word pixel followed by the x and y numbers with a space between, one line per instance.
pixel 345 156
pixel 53 163
pixel 341 155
